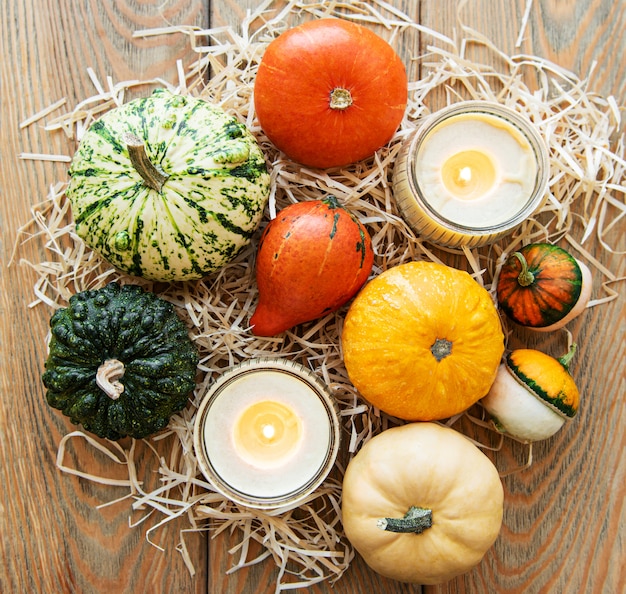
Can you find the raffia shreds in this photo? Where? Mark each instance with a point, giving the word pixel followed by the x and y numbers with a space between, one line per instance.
pixel 586 202
pixel 122 457
pixel 43 113
pixel 45 157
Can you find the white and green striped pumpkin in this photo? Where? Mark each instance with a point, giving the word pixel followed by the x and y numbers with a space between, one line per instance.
pixel 168 187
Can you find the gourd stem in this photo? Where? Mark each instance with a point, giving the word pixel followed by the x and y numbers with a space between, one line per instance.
pixel 567 357
pixel 108 376
pixel 416 520
pixel 525 278
pixel 441 348
pixel 153 177
pixel 331 201
pixel 340 98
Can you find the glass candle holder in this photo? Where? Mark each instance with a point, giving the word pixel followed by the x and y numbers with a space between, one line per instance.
pixel 471 174
pixel 267 433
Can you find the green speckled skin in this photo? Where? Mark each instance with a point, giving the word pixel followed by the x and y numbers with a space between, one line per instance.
pixel 137 328
pixel 208 208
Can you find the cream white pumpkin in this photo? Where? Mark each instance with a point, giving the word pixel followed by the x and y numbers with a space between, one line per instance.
pixel 438 476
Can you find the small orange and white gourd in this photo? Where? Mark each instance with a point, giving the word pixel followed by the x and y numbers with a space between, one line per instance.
pixel 533 395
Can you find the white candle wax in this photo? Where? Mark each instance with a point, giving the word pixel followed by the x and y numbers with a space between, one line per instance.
pixel 476 169
pixel 266 434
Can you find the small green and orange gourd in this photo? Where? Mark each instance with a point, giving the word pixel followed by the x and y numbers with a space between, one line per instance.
pixel 543 287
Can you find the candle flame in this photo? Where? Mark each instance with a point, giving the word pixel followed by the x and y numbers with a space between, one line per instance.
pixel 268 431
pixel 465 175
pixel 469 175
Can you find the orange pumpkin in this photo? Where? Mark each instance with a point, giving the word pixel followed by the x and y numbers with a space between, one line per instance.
pixel 312 258
pixel 422 341
pixel 330 92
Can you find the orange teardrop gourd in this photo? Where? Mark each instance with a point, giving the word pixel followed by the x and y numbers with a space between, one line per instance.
pixel 312 259
pixel 330 92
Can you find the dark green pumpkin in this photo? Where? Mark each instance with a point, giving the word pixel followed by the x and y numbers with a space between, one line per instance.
pixel 120 363
pixel 539 285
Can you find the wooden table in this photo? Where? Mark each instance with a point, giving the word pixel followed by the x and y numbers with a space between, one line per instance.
pixel 563 528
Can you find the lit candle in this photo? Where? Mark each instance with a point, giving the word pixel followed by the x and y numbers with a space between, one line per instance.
pixel 471 174
pixel 267 433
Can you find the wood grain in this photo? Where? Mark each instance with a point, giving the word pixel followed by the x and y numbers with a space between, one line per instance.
pixel 587 37
pixel 54 537
pixel 564 517
pixel 561 530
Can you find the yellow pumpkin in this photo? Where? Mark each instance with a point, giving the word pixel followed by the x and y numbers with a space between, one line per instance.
pixel 422 341
pixel 421 503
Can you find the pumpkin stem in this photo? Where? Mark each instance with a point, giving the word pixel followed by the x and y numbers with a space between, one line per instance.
pixel 107 378
pixel 340 98
pixel 441 348
pixel 525 278
pixel 331 201
pixel 566 359
pixel 417 519
pixel 153 177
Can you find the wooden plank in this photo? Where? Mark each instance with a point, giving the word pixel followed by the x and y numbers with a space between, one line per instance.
pixel 262 577
pixel 54 536
pixel 550 511
pixel 561 524
pixel 584 38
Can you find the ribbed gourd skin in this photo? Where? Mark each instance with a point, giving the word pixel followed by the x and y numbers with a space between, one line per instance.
pixel 422 341
pixel 137 328
pixel 554 291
